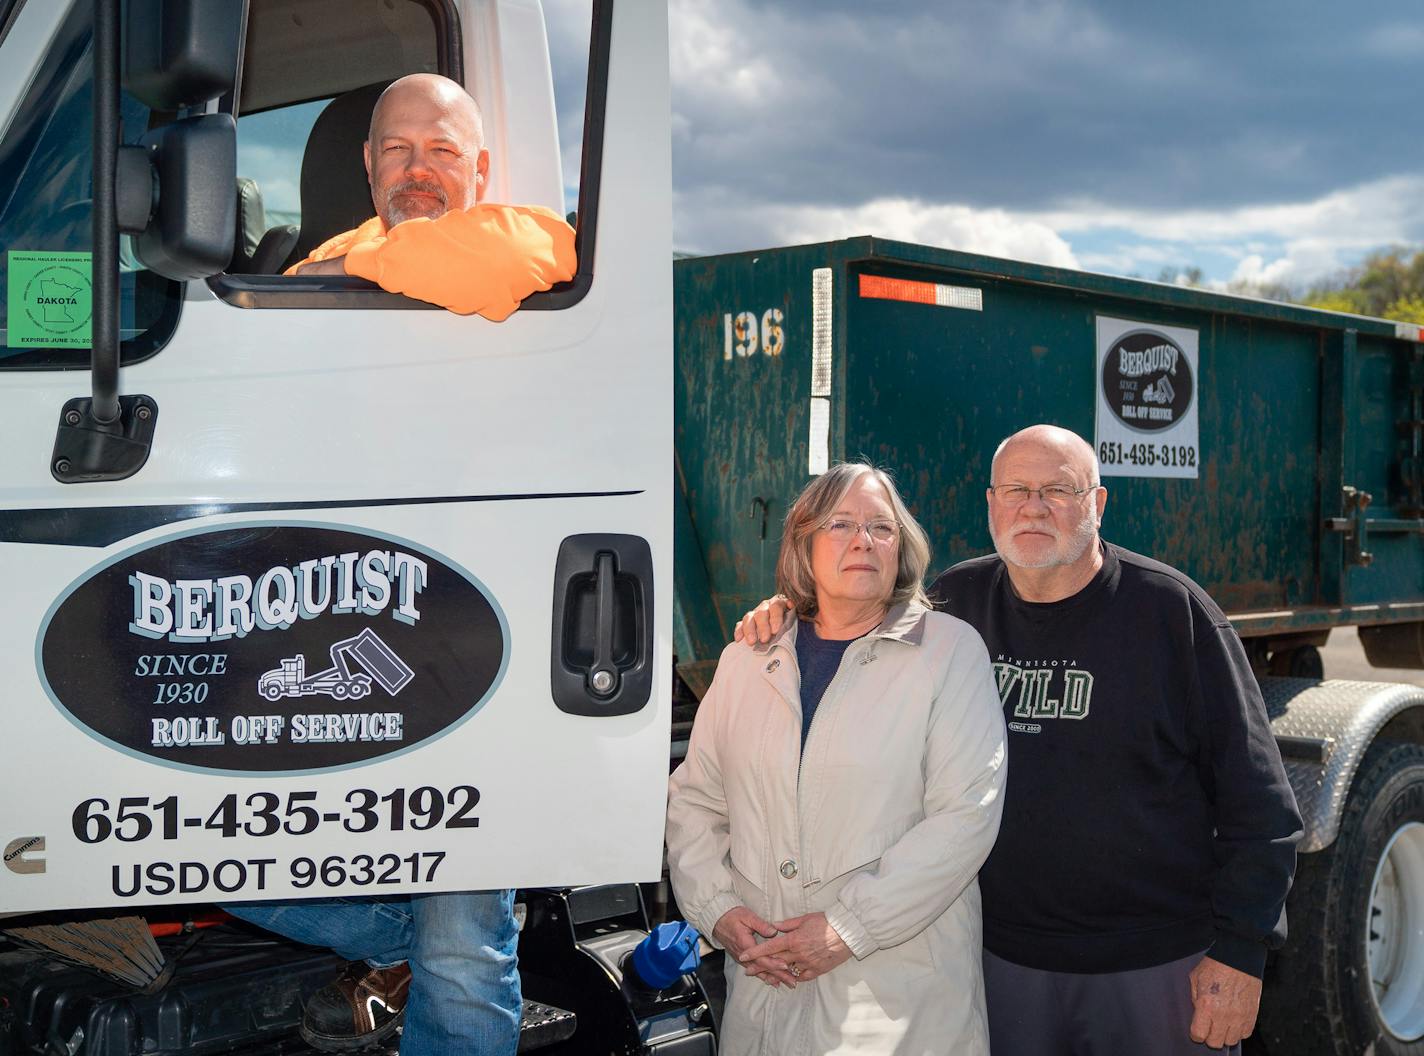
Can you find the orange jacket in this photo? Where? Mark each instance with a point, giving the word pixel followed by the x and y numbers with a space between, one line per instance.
pixel 484 259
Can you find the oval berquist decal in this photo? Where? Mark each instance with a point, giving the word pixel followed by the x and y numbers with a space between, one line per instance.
pixel 273 648
pixel 1147 381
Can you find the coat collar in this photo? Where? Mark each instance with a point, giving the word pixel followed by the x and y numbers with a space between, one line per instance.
pixel 903 623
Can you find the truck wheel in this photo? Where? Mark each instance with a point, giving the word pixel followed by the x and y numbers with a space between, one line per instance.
pixel 1351 975
pixel 272 691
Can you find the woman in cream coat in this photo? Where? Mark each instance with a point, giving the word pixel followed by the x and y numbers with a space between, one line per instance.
pixel 840 877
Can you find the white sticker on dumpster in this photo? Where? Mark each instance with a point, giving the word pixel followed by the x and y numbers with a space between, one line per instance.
pixel 1147 399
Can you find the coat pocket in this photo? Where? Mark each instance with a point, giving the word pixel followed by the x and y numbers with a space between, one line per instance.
pixel 915 956
pixel 898 979
pixel 855 847
pixel 956 936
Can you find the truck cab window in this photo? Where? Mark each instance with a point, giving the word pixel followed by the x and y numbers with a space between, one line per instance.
pixel 301 55
pixel 309 69
pixel 45 210
pixel 270 145
pixel 312 71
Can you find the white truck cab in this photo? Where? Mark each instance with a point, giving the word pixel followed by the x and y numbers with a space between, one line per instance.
pixel 300 463
pixel 313 590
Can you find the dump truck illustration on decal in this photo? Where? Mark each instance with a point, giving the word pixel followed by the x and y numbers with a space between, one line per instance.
pixel 1162 392
pixel 365 651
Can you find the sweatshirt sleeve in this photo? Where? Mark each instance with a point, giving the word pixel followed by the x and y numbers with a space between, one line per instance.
pixel 337 245
pixel 699 842
pixel 485 259
pixel 965 765
pixel 1257 822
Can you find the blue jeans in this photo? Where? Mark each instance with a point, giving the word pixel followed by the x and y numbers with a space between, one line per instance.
pixel 464 989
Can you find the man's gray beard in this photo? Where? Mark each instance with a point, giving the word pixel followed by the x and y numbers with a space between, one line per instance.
pixel 1085 534
pixel 397 215
pixel 400 216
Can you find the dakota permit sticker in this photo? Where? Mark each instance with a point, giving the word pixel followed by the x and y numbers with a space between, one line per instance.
pixel 270 649
pixel 48 299
pixel 1147 399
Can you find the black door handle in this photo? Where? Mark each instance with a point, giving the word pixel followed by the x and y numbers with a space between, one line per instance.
pixel 603 625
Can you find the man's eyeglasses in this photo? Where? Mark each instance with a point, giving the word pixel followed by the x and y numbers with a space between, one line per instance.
pixel 1056 495
pixel 842 530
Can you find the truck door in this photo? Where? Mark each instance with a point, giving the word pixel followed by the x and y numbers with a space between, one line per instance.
pixel 479 513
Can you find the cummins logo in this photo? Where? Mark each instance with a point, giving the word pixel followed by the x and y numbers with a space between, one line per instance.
pixel 1147 381
pixel 21 857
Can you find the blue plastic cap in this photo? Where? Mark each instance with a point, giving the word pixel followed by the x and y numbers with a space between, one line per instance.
pixel 667 954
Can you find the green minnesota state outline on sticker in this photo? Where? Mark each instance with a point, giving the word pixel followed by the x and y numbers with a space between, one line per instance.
pixel 48 299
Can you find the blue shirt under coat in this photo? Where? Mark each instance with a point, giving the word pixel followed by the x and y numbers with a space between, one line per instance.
pixel 819 659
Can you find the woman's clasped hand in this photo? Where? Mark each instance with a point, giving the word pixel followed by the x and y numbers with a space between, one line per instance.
pixel 737 931
pixel 802 948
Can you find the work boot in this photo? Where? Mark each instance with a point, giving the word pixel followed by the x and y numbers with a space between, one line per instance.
pixel 361 1007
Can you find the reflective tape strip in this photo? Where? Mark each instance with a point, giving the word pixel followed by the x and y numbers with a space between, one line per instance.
pixel 1409 331
pixel 820 459
pixel 878 286
pixel 821 332
pixel 819 450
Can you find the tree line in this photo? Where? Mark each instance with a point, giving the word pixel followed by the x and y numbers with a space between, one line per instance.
pixel 1387 284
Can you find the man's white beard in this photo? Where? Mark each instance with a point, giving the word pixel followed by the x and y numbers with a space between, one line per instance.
pixel 1066 550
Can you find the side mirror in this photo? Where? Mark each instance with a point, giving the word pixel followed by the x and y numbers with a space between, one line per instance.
pixel 185 230
pixel 175 192
pixel 181 52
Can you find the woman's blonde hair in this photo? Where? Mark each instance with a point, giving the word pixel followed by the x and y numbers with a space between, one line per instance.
pixel 814 506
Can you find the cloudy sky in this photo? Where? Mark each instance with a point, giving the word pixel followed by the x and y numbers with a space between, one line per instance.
pixel 1255 139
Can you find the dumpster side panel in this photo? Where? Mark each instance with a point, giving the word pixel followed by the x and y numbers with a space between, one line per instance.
pixel 1292 406
pixel 743 384
pixel 932 390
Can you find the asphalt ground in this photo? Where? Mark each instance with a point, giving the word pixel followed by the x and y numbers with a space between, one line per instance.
pixel 1345 658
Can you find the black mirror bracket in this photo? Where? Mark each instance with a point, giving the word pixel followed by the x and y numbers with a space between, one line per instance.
pixel 86 449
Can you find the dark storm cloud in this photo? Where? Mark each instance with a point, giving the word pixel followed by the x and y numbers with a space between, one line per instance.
pixel 1024 104
pixel 1263 139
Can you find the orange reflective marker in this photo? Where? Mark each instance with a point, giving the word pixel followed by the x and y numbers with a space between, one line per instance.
pixel 884 288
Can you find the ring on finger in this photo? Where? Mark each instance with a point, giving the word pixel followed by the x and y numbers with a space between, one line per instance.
pixel 795 970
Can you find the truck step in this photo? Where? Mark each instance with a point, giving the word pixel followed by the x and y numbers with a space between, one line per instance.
pixel 544 1025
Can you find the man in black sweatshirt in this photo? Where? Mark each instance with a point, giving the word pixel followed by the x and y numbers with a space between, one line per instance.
pixel 1148 837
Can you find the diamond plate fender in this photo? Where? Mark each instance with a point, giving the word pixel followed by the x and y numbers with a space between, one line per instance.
pixel 1337 720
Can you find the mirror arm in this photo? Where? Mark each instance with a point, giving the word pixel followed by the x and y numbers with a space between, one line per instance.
pixel 105 356
pixel 104 436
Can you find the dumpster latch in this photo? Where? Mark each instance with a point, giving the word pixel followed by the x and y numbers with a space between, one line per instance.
pixel 1353 524
pixel 761 503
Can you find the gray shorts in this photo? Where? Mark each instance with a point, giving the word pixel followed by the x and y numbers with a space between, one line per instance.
pixel 1140 1013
